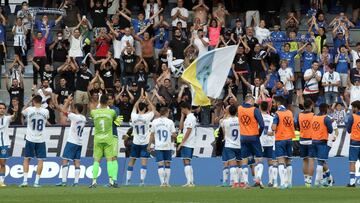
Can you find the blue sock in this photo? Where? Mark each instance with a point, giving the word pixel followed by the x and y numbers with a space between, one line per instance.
pixel 144 167
pixel 130 168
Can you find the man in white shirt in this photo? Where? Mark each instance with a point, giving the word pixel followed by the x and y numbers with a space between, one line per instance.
pixel 187 145
pixel 287 77
pixel 179 14
pixel 4 141
pixel 162 135
pixel 312 78
pixel 151 7
pixel 201 42
pixel 354 91
pixel 331 82
pixel 73 147
pixel 36 118
pixel 261 32
pixel 141 116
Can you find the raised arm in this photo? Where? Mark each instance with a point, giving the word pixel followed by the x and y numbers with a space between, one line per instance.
pixel 125 16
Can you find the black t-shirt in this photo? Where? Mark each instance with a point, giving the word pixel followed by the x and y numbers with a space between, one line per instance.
pixel 51 118
pixel 241 62
pixel 50 76
pixel 70 78
pixel 255 63
pixel 129 63
pixel 125 109
pixel 62 93
pixel 98 15
pixel 141 78
pixel 108 76
pixel 17 92
pixel 178 47
pixel 60 51
pixel 251 42
pixel 136 94
pixel 354 74
pixel 82 80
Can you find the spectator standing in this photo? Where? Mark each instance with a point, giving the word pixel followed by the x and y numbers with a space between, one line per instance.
pixel 331 81
pixel 39 54
pixel 72 17
pixel 15 89
pixel 214 30
pixel 261 32
pixel 60 48
pixel 20 47
pixel 201 11
pixel 98 11
pixel 287 78
pixel 178 45
pixel 179 14
pixel 342 62
pixel 312 78
pixel 151 7
pixel 201 42
pixel 46 24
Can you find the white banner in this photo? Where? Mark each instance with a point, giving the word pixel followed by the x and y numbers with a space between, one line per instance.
pixel 56 140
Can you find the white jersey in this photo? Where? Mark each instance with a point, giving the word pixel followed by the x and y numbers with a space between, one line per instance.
pixel 190 123
pixel 332 135
pixel 4 131
pixel 231 132
pixel 77 125
pixel 36 122
pixel 163 128
pixel 265 139
pixel 140 124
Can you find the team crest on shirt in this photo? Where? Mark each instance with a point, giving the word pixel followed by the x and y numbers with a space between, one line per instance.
pixel 3 151
pixel 305 124
pixel 287 121
pixel 316 126
pixel 245 120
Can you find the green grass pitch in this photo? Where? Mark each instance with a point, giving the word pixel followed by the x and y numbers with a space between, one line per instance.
pixel 178 194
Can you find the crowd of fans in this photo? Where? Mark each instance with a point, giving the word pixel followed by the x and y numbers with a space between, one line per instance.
pixel 118 47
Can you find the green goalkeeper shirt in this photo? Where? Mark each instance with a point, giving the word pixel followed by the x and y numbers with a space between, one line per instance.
pixel 103 124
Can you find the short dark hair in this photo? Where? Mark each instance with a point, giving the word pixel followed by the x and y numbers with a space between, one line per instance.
pixel 314 61
pixel 264 106
pixel 356 104
pixel 104 99
pixel 232 110
pixel 163 110
pixel 307 103
pixel 79 107
pixel 37 99
pixel 280 99
pixel 185 105
pixel 142 106
pixel 357 60
pixel 323 107
pixel 2 103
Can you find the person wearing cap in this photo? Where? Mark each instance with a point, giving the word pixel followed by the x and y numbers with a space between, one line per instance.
pixel 338 40
pixel 135 90
pixel 238 30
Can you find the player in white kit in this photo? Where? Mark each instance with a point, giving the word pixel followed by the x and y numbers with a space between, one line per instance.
pixel 36 118
pixel 141 116
pixel 4 140
pixel 267 142
pixel 72 150
pixel 187 145
pixel 163 133
pixel 232 155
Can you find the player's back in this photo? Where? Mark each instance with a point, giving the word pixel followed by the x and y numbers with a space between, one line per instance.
pixel 232 132
pixel 36 122
pixel 163 128
pixel 4 130
pixel 77 124
pixel 103 119
pixel 265 139
pixel 141 123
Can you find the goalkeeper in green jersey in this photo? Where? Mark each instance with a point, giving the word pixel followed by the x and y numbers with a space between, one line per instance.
pixel 104 145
